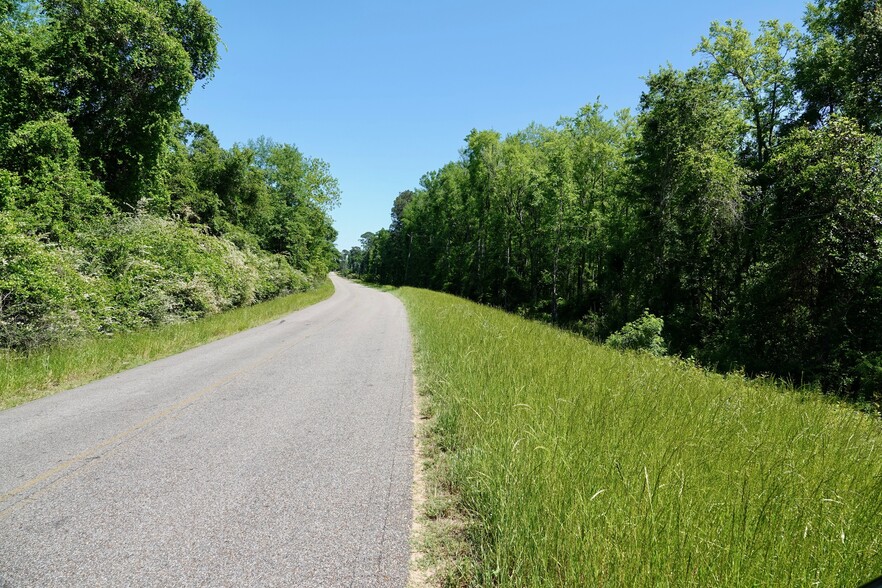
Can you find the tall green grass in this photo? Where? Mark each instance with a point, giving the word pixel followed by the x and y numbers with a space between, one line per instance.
pixel 27 376
pixel 583 466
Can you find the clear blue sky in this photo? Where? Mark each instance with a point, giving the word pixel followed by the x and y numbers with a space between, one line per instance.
pixel 385 91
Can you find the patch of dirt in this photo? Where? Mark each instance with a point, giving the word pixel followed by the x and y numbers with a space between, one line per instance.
pixel 440 555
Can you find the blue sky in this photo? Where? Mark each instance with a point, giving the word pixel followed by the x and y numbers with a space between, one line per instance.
pixel 385 91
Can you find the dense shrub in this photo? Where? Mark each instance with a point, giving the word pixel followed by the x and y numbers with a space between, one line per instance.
pixel 275 276
pixel 165 271
pixel 126 272
pixel 643 333
pixel 43 298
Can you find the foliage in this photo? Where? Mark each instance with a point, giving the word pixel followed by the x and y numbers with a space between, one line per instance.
pixel 48 189
pixel 839 67
pixel 115 212
pixel 43 298
pixel 127 272
pixel 741 204
pixel 688 195
pixel 643 333
pixel 302 192
pixel 760 72
pixel 120 70
pixel 810 303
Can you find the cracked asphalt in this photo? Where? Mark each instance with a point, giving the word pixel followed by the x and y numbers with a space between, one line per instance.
pixel 281 456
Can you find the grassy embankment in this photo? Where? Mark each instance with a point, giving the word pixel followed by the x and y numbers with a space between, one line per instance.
pixel 25 377
pixel 576 465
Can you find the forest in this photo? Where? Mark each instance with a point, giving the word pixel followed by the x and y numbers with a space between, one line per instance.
pixel 739 209
pixel 117 213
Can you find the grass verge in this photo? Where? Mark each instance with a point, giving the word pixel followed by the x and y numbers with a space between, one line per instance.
pixel 25 377
pixel 576 465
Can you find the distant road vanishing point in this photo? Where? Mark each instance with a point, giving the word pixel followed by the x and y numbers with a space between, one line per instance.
pixel 281 456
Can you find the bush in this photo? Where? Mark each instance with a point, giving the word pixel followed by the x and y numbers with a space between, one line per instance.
pixel 165 271
pixel 869 371
pixel 276 276
pixel 126 272
pixel 641 334
pixel 43 298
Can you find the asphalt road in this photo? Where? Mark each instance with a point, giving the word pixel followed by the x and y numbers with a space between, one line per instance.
pixel 281 456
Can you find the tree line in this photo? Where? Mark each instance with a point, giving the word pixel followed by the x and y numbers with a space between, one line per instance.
pixel 742 204
pixel 115 211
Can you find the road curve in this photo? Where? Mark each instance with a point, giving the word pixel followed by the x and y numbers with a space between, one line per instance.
pixel 281 456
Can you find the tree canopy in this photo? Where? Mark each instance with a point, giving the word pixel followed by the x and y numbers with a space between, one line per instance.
pixel 740 207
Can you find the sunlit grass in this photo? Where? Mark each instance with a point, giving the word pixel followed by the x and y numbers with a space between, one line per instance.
pixel 25 377
pixel 582 466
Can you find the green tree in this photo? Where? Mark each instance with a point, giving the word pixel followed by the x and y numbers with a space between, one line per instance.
pixel 26 89
pixel 481 159
pixel 839 67
pixel 560 195
pixel 600 168
pixel 809 307
pixel 688 193
pixel 120 70
pixel 401 201
pixel 302 194
pixel 519 182
pixel 760 70
pixel 46 185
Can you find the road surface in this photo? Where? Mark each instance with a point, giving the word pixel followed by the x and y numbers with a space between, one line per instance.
pixel 281 456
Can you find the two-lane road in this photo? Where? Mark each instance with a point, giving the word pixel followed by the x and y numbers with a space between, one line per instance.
pixel 281 456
